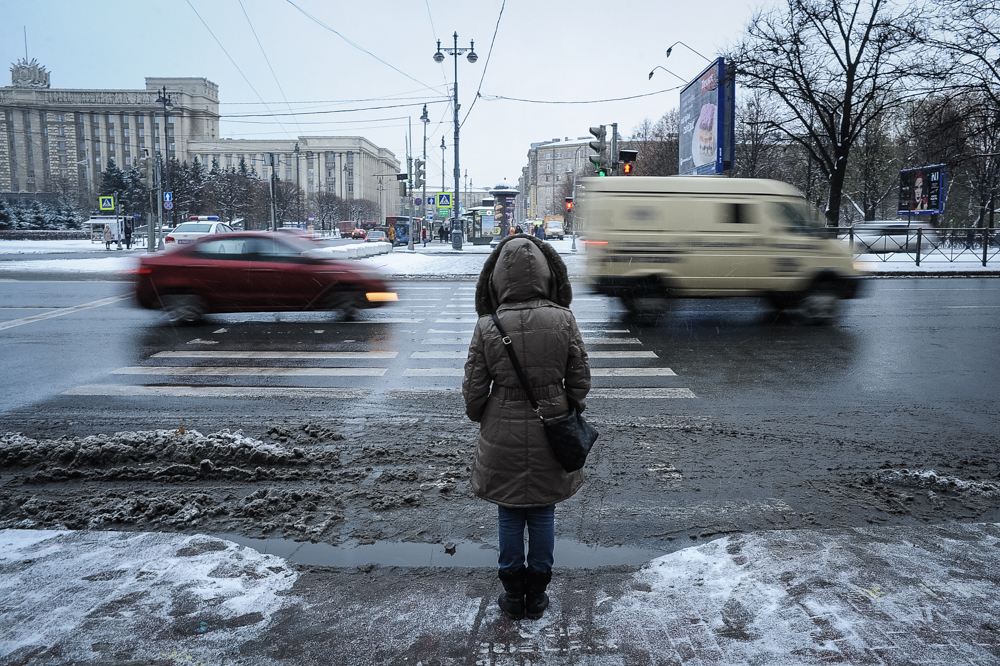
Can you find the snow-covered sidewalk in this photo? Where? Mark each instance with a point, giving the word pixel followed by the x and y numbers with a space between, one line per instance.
pixel 926 594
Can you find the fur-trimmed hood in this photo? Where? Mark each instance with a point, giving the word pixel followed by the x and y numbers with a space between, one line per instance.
pixel 517 276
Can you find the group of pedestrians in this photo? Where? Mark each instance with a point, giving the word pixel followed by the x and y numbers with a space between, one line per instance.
pixel 109 237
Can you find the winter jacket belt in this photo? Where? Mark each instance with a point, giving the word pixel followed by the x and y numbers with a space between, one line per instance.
pixel 540 392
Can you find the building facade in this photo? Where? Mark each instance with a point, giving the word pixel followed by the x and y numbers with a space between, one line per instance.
pixel 60 140
pixel 550 163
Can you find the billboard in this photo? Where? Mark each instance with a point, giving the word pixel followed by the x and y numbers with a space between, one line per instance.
pixel 921 191
pixel 707 131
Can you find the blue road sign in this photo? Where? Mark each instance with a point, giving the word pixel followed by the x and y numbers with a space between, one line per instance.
pixel 419 201
pixel 107 203
pixel 168 196
pixel 444 201
pixel 168 204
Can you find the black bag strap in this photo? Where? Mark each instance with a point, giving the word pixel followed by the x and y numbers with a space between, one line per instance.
pixel 508 345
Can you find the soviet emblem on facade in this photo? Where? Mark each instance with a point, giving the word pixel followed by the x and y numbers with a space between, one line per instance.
pixel 24 74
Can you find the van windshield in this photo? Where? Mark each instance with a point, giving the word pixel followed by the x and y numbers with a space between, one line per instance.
pixel 797 219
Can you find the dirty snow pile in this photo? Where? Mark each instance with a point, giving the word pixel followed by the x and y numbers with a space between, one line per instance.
pixel 159 454
pixel 931 480
pixel 111 597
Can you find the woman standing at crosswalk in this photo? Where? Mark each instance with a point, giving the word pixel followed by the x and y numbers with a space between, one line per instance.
pixel 526 285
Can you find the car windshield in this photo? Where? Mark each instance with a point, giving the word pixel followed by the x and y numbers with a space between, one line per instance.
pixel 193 228
pixel 377 234
pixel 797 219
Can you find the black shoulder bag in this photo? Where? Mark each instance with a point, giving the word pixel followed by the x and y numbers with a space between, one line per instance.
pixel 570 436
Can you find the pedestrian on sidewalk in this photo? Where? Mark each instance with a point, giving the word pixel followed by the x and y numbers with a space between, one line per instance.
pixel 108 237
pixel 392 235
pixel 526 285
pixel 423 236
pixel 128 235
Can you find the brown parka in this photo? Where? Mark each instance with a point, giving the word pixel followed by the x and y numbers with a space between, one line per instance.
pixel 525 282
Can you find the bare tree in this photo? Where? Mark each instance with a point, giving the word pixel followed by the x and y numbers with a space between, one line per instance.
pixel 835 67
pixel 656 145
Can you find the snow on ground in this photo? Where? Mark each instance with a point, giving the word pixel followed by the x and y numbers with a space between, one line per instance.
pixel 49 246
pixel 96 595
pixel 110 264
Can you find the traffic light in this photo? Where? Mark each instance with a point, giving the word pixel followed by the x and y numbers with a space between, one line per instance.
pixel 421 172
pixel 627 158
pixel 569 204
pixel 402 188
pixel 602 160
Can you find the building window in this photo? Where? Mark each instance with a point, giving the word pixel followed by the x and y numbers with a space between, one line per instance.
pixel 111 119
pixel 548 169
pixel 127 148
pixel 330 157
pixel 558 155
pixel 124 119
pixel 310 187
pixel 62 159
pixel 288 174
pixel 140 120
pixel 97 160
pixel 142 132
pixel 45 131
pixel 170 119
pixel 172 146
pixel 350 188
pixel 310 172
pixel 170 131
pixel 111 132
pixel 125 132
pixel 45 116
pixel 62 131
pixel 97 118
pixel 128 160
pixel 97 131
pixel 156 130
pixel 62 145
pixel 229 160
pixel 350 158
pixel 111 147
pixel 59 117
pixel 331 173
pixel 253 159
pixel 156 145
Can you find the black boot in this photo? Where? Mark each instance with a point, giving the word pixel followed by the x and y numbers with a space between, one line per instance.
pixel 536 601
pixel 511 601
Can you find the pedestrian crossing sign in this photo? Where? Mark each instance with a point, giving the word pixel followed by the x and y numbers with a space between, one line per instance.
pixel 444 201
pixel 107 203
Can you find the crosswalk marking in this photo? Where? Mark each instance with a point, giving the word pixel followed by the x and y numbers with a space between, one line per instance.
pixel 640 393
pixel 60 312
pixel 434 372
pixel 612 341
pixel 445 341
pixel 632 372
pixel 622 354
pixel 128 391
pixel 439 354
pixel 228 371
pixel 274 354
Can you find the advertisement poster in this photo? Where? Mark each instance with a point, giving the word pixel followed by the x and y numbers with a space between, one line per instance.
pixel 705 140
pixel 921 191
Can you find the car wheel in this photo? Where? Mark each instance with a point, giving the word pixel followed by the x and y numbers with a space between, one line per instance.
pixel 345 303
pixel 820 306
pixel 183 308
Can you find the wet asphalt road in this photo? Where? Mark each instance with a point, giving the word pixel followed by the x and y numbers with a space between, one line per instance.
pixel 732 416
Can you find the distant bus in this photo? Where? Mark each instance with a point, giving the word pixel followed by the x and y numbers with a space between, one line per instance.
pixel 401 226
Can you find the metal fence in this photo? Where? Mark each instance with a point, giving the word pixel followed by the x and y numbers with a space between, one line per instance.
pixel 924 245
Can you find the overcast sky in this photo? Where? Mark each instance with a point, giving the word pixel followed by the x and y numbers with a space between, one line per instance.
pixel 550 50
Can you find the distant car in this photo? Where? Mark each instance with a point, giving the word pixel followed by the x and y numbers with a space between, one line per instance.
pixel 358 233
pixel 376 237
pixel 889 236
pixel 254 272
pixel 188 232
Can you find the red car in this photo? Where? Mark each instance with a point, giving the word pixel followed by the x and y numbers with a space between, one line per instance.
pixel 254 272
pixel 359 233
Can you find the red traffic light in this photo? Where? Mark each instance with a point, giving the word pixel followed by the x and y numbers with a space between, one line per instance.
pixel 569 203
pixel 627 168
pixel 628 158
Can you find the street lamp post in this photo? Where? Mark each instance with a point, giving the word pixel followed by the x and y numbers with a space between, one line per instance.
pixel 423 214
pixel 164 99
pixel 298 187
pixel 472 58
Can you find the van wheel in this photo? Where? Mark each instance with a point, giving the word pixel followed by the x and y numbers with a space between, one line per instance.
pixel 183 308
pixel 644 311
pixel 821 306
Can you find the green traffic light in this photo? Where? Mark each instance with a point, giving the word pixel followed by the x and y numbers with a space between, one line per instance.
pixel 601 173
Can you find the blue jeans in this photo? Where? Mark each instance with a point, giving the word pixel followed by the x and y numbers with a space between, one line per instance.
pixel 541 522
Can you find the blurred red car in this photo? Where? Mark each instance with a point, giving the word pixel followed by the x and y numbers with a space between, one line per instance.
pixel 254 272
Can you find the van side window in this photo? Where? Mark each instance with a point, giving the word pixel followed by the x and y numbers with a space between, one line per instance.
pixel 736 213
pixel 794 219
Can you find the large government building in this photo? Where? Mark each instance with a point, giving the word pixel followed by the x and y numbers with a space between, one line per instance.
pixel 59 140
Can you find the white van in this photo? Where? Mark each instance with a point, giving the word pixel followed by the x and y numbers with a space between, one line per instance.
pixel 652 238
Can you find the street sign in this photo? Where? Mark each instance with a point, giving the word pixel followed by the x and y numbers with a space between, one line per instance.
pixel 444 201
pixel 168 196
pixel 107 203
pixel 419 201
pixel 168 205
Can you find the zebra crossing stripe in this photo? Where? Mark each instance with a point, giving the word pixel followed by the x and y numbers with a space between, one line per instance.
pixel 433 372
pixel 129 391
pixel 632 372
pixel 640 393
pixel 220 371
pixel 216 353
pixel 622 354
pixel 439 354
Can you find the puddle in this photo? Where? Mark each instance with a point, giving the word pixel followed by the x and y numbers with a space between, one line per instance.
pixel 568 554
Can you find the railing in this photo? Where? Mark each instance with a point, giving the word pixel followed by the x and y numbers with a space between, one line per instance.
pixel 923 245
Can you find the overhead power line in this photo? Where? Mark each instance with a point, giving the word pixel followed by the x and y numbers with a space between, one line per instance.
pixel 234 62
pixel 315 113
pixel 485 65
pixel 355 45
pixel 492 98
pixel 267 60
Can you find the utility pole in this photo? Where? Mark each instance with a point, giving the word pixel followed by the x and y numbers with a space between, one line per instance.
pixel 298 187
pixel 614 149
pixel 274 168
pixel 423 214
